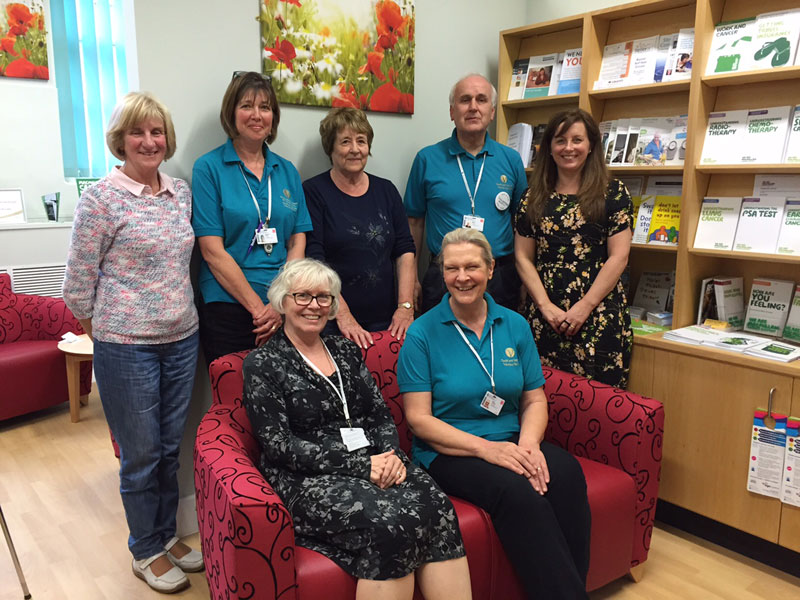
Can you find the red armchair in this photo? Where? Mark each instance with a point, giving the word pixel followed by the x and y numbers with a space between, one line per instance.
pixel 246 531
pixel 32 368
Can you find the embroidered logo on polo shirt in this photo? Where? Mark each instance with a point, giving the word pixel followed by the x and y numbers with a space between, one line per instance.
pixel 288 202
pixel 503 178
pixel 512 360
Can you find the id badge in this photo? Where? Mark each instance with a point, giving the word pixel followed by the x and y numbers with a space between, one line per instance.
pixel 354 438
pixel 472 222
pixel 492 402
pixel 267 235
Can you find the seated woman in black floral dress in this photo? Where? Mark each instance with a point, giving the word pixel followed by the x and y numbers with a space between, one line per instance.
pixel 330 449
pixel 573 237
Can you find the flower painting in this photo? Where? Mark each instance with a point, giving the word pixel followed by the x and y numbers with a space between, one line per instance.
pixel 23 40
pixel 357 53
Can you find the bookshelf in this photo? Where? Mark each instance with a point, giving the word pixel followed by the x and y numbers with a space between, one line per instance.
pixel 709 394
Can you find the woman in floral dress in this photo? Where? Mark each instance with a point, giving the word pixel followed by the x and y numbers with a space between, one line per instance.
pixel 330 449
pixel 573 237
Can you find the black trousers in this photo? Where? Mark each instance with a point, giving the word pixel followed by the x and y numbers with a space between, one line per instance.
pixel 504 286
pixel 225 327
pixel 545 537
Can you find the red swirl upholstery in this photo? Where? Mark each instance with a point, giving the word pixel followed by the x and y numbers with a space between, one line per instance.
pixel 246 531
pixel 32 368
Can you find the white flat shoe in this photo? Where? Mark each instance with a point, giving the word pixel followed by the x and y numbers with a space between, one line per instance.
pixel 191 562
pixel 172 581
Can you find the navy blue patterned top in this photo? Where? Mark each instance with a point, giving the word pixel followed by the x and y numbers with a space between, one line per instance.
pixel 360 237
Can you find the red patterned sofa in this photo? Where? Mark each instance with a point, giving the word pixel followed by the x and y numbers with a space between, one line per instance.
pixel 246 531
pixel 32 368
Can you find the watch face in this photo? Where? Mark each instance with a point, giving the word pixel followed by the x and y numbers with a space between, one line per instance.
pixel 405 305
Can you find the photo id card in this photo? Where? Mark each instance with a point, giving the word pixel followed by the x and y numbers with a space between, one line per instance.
pixel 354 438
pixel 268 235
pixel 472 222
pixel 492 402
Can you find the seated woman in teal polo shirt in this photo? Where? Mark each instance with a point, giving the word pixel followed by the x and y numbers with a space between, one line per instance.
pixel 250 218
pixel 472 389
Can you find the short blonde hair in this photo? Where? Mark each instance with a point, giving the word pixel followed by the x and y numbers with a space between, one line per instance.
pixel 304 272
pixel 136 108
pixel 465 235
pixel 342 118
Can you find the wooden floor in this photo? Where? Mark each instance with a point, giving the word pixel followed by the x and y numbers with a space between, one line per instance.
pixel 59 494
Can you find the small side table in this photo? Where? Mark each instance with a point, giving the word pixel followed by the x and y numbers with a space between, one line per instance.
pixel 76 353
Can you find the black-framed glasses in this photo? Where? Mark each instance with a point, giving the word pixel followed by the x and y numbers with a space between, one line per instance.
pixel 304 299
pixel 266 78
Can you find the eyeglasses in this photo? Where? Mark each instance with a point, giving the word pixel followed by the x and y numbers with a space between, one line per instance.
pixel 304 299
pixel 266 78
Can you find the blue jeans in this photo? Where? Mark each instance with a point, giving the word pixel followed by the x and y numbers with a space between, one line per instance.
pixel 145 390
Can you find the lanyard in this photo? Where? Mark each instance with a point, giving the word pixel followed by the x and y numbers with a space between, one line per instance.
pixel 477 183
pixel 269 196
pixel 475 352
pixel 338 391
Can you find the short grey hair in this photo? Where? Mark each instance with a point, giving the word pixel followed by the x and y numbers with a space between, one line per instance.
pixel 466 235
pixel 306 272
pixel 486 79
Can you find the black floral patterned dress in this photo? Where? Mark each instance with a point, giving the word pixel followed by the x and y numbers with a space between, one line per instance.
pixel 369 532
pixel 570 251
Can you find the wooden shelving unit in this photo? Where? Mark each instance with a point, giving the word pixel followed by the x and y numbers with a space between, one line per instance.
pixel 709 394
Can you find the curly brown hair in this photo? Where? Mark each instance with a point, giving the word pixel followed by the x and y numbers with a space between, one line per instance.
pixel 594 177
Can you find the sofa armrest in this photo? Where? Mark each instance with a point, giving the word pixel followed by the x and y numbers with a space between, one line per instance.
pixel 246 532
pixel 24 318
pixel 614 427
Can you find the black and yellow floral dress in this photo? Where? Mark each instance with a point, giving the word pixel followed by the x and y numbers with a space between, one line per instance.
pixel 570 251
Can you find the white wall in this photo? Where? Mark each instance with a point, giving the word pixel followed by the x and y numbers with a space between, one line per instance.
pixel 548 10
pixel 190 68
pixel 30 146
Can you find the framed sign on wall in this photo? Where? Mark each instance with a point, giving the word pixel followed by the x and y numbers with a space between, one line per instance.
pixel 12 207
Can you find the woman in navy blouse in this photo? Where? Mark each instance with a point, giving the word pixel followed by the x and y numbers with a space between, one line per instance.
pixel 361 230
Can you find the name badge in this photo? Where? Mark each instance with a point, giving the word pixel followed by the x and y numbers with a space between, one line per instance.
pixel 492 402
pixel 472 222
pixel 354 438
pixel 267 235
pixel 502 201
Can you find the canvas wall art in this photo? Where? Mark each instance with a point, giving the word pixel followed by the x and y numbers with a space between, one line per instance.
pixel 357 53
pixel 23 40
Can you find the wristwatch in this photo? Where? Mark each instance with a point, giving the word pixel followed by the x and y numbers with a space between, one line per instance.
pixel 405 305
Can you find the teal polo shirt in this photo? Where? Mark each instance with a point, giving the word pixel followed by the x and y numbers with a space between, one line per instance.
pixel 434 358
pixel 222 206
pixel 435 190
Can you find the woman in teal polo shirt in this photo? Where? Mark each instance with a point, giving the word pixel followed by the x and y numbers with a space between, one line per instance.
pixel 472 389
pixel 250 218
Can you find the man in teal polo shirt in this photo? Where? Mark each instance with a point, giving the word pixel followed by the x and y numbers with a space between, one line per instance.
pixel 467 180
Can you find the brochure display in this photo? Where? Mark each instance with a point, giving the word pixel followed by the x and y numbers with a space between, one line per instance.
pixel 716 386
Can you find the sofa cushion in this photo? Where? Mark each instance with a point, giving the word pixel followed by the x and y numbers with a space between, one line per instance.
pixel 612 499
pixel 34 377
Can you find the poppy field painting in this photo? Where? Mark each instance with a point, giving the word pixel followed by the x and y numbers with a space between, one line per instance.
pixel 356 53
pixel 23 40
